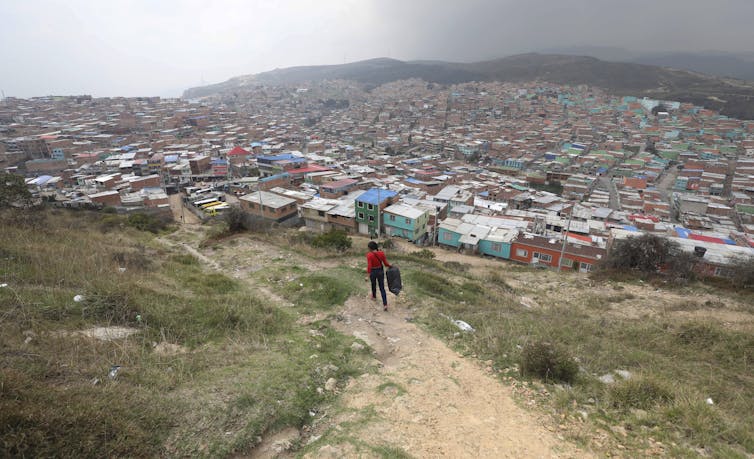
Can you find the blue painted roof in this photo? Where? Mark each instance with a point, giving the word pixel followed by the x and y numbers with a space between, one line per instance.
pixel 219 162
pixel 682 232
pixel 171 158
pixel 280 157
pixel 630 228
pixel 370 196
pixel 413 180
pixel 275 177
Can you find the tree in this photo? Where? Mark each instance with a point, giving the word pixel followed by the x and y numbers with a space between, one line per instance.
pixel 235 218
pixel 645 253
pixel 13 191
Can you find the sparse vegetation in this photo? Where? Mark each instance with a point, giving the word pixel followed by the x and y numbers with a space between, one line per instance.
pixel 549 362
pixel 334 239
pixel 237 364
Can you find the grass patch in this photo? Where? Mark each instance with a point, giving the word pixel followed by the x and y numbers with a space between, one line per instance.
pixel 245 366
pixel 321 291
pixel 704 359
pixel 638 393
pixel 391 388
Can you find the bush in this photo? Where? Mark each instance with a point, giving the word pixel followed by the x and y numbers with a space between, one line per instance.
pixel 645 253
pixel 334 239
pixel 424 253
pixel 387 244
pixel 641 393
pixel 742 273
pixel 236 220
pixel 145 222
pixel 548 362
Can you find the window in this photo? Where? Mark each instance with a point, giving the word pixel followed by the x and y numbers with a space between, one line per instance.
pixel 361 215
pixel 359 204
pixel 408 221
pixel 392 218
pixel 542 257
pixel 522 253
pixel 370 207
pixel 497 247
pixel 585 267
pixel 321 213
pixel 371 218
pixel 567 262
pixel 447 236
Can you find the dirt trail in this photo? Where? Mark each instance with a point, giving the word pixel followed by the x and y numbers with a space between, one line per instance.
pixel 425 399
pixel 430 401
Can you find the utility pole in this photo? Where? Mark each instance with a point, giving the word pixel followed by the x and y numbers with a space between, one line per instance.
pixel 565 238
pixel 378 213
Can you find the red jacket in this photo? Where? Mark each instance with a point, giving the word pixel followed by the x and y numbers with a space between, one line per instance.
pixel 376 259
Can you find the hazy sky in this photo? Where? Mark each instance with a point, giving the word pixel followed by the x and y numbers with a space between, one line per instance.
pixel 160 47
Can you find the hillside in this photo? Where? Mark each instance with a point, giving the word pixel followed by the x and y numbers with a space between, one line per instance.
pixel 259 344
pixel 736 97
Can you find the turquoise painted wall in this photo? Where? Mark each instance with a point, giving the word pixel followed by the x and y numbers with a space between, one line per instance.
pixel 453 239
pixel 485 247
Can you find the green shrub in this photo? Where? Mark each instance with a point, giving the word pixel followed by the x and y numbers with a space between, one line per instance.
pixel 424 254
pixel 236 220
pixel 333 239
pixel 645 253
pixel 387 244
pixel 548 362
pixel 145 222
pixel 640 393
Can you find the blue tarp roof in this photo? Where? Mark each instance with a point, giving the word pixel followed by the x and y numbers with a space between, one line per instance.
pixel 413 180
pixel 630 228
pixel 370 196
pixel 280 157
pixel 171 158
pixel 682 232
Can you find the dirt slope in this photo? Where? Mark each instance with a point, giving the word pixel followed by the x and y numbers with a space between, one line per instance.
pixel 425 400
pixel 430 401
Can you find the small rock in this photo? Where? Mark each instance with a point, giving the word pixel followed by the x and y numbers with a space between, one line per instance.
pixel 330 384
pixel 356 346
pixel 78 298
pixel 607 378
pixel 584 415
pixel 710 401
pixel 320 390
pixel 329 451
pixel 95 381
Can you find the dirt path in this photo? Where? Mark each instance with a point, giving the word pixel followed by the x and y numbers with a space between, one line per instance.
pixel 425 399
pixel 431 402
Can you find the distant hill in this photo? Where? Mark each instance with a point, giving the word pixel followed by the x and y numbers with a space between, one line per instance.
pixel 732 97
pixel 718 63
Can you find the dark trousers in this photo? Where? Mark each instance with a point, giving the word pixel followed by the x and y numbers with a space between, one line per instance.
pixel 377 276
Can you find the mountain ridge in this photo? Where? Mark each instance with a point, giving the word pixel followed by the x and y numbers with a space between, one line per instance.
pixel 730 96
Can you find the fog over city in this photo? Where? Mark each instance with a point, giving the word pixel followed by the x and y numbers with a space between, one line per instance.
pixel 143 47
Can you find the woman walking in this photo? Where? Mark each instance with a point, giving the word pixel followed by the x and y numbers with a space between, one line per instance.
pixel 375 272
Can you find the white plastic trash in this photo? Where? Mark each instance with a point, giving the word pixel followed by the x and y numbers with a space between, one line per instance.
pixel 78 298
pixel 463 326
pixel 710 402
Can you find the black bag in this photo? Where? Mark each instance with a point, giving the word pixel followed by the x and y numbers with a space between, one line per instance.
pixel 394 283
